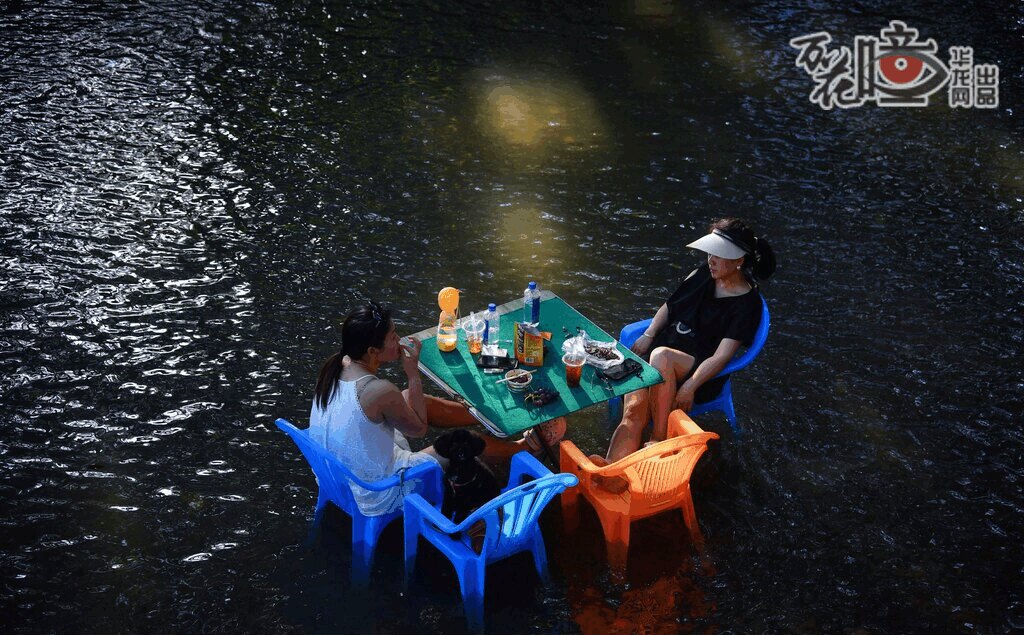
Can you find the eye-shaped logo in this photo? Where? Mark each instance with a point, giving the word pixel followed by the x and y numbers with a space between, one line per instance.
pixel 898 68
pixel 906 73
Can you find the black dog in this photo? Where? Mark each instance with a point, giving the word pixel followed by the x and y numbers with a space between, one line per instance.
pixel 469 484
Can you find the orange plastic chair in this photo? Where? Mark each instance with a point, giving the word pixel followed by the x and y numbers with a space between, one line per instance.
pixel 658 477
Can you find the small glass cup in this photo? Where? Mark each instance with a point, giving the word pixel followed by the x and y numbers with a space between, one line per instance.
pixel 475 335
pixel 573 368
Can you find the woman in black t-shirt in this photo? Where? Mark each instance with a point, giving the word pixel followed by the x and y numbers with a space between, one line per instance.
pixel 697 331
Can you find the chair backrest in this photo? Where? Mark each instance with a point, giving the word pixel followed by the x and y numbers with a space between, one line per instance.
pixel 512 516
pixel 760 337
pixel 332 476
pixel 663 468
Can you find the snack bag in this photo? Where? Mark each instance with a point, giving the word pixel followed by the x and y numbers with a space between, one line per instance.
pixel 529 344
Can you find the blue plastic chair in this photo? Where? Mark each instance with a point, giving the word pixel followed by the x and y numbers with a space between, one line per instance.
pixel 723 401
pixel 512 527
pixel 334 479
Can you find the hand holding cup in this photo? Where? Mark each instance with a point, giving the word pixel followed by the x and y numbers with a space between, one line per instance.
pixel 410 354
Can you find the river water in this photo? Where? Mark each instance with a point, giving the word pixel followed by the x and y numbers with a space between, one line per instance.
pixel 192 194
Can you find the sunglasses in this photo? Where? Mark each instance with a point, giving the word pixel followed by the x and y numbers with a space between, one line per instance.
pixel 376 310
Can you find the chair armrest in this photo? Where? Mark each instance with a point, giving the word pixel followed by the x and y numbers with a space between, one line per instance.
pixel 432 476
pixel 735 364
pixel 680 424
pixel 422 472
pixel 524 464
pixel 632 332
pixel 415 506
pixel 573 460
pixel 633 478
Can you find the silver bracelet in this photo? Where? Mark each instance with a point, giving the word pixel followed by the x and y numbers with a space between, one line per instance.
pixel 646 334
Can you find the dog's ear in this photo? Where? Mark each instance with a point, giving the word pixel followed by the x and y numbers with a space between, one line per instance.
pixel 443 445
pixel 478 444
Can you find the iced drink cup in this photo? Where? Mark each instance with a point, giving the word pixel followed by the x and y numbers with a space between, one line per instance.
pixel 573 368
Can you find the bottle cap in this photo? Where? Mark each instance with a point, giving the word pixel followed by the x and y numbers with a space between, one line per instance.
pixel 491 306
pixel 532 285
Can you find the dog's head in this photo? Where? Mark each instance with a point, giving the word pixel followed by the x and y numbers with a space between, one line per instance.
pixel 459 446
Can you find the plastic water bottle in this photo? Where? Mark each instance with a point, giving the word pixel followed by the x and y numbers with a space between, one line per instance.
pixel 493 322
pixel 531 304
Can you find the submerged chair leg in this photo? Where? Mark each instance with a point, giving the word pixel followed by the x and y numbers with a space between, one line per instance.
pixel 362 562
pixel 616 535
pixel 412 543
pixel 540 557
pixel 364 541
pixel 471 581
pixel 690 519
pixel 730 413
pixel 318 516
pixel 570 509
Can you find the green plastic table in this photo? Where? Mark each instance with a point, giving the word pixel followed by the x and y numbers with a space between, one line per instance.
pixel 504 412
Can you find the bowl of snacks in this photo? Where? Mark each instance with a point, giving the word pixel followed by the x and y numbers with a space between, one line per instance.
pixel 518 379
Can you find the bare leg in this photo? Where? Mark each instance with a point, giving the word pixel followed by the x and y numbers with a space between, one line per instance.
pixel 673 366
pixel 627 436
pixel 443 413
pixel 443 462
pixel 614 484
pixel 498 451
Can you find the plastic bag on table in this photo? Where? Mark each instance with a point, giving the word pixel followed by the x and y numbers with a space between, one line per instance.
pixel 601 355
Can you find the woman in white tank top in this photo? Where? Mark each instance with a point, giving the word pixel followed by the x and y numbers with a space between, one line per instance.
pixel 363 420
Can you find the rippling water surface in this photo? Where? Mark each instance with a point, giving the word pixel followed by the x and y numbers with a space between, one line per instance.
pixel 192 194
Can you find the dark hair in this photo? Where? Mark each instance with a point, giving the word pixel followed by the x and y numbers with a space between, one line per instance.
pixel 759 261
pixel 365 327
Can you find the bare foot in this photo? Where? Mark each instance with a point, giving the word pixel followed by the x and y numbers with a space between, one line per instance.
pixel 614 484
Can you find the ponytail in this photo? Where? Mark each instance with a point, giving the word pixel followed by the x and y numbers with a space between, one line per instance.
pixel 763 265
pixel 327 380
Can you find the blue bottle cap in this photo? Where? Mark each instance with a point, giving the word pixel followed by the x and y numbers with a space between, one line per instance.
pixel 532 285
pixel 492 306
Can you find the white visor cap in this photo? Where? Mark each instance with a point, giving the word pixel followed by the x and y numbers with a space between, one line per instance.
pixel 718 245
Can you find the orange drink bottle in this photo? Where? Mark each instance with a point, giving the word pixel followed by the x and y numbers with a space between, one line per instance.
pixel 447 335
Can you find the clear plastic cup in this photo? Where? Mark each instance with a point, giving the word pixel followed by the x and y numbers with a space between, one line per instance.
pixel 573 368
pixel 475 335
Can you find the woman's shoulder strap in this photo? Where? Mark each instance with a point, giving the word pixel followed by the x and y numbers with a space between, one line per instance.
pixel 360 387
